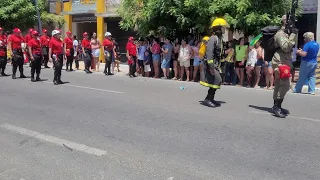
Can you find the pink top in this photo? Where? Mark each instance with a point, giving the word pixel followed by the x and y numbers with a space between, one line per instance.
pixel 156 49
pixel 95 44
pixel 196 52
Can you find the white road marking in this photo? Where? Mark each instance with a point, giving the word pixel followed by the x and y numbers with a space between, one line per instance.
pixel 289 116
pixel 54 140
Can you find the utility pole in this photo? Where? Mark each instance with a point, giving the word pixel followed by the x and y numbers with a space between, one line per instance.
pixel 38 16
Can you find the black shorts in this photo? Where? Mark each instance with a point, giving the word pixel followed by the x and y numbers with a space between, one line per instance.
pixel 191 62
pixel 238 64
pixel 140 63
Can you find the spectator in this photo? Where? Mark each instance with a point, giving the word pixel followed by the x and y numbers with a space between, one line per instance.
pixel 185 54
pixel 241 56
pixel 308 64
pixel 229 66
pixel 197 63
pixel 147 60
pixel 95 46
pixel 156 50
pixel 167 53
pixel 132 56
pixel 76 51
pixel 252 60
pixel 176 66
pixel 117 55
pixel 141 52
pixel 259 64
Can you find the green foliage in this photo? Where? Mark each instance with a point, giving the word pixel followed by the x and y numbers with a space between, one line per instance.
pixel 165 17
pixel 22 14
pixel 52 19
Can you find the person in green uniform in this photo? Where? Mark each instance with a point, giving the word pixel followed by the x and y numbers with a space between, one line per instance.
pixel 211 60
pixel 284 39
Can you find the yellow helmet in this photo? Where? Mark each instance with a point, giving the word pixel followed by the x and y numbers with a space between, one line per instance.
pixel 206 38
pixel 219 22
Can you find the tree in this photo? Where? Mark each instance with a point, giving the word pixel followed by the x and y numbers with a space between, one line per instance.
pixel 167 16
pixel 22 14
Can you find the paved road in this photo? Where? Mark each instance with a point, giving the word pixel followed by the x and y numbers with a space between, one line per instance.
pixel 117 128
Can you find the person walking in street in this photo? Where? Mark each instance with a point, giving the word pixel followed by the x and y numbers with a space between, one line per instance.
pixel 14 45
pixel 108 49
pixel 3 52
pixel 281 63
pixel 69 50
pixel 132 56
pixel 308 64
pixel 213 55
pixel 87 52
pixel 35 53
pixel 56 55
pixel 44 41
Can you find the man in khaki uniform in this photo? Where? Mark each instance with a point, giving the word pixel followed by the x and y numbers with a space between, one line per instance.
pixel 283 56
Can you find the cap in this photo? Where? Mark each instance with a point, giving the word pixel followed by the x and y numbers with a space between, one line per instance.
pixel 131 38
pixel 16 30
pixel 85 34
pixel 69 32
pixel 35 33
pixel 44 30
pixel 1 29
pixel 107 34
pixel 30 30
pixel 54 32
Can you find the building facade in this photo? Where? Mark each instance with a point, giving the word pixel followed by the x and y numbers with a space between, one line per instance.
pixel 91 16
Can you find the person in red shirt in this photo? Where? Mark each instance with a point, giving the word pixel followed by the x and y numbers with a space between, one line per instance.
pixel 68 48
pixel 86 49
pixel 15 49
pixel 56 55
pixel 35 53
pixel 27 38
pixel 3 52
pixel 132 56
pixel 44 41
pixel 108 49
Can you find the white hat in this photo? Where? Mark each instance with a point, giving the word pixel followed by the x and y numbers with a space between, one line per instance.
pixel 107 34
pixel 54 32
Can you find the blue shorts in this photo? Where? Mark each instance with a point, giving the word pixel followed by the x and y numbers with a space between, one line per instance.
pixel 197 62
pixel 96 53
pixel 165 63
pixel 155 57
pixel 260 63
pixel 269 64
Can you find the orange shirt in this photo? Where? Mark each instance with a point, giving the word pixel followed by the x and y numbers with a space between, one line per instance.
pixel 69 42
pixel 108 45
pixel 3 45
pixel 34 44
pixel 86 44
pixel 132 48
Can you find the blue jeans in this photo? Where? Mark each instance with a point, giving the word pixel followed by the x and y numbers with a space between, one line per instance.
pixel 307 72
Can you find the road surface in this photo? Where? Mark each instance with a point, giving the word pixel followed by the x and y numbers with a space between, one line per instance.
pixel 117 128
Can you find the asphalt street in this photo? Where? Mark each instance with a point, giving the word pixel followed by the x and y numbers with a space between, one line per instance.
pixel 99 127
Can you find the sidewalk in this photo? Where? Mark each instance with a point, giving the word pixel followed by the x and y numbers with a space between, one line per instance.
pixel 124 70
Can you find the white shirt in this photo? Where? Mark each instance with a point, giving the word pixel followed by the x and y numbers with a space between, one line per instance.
pixel 252 58
pixel 75 44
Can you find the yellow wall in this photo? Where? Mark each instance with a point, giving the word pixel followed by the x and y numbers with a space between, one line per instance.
pixel 101 8
pixel 67 7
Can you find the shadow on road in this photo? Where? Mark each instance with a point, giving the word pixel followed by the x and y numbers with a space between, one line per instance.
pixel 220 102
pixel 267 109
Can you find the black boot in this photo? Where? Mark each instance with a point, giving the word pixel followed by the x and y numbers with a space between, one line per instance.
pixel 32 78
pixel 14 70
pixel 209 101
pixel 55 81
pixel 59 80
pixel 38 77
pixel 21 72
pixel 284 111
pixel 277 110
pixel 2 72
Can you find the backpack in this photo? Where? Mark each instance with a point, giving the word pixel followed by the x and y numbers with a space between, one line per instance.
pixel 268 43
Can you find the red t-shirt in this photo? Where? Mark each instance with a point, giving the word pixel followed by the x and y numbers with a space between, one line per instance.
pixel 27 38
pixel 15 41
pixel 86 44
pixel 108 45
pixel 56 46
pixel 44 40
pixel 3 45
pixel 132 48
pixel 34 44
pixel 69 42
pixel 156 49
